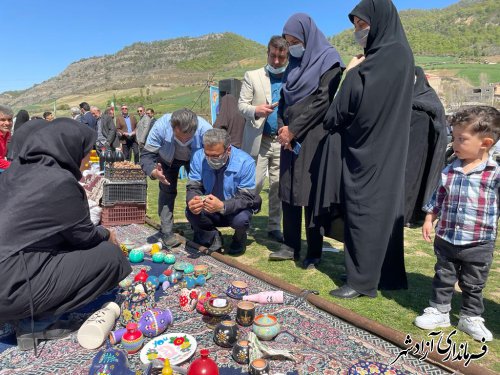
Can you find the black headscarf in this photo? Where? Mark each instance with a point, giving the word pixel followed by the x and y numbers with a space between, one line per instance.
pixel 20 136
pixel 40 192
pixel 303 75
pixel 21 117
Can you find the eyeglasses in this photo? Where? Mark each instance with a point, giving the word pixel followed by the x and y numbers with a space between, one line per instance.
pixel 140 111
pixel 124 108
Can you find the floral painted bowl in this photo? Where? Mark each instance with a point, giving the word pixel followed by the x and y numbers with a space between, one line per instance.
pixel 266 326
pixel 237 289
pixel 218 306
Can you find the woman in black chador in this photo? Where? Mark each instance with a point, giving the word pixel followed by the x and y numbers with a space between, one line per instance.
pixel 310 82
pixel 369 121
pixel 53 259
pixel 427 148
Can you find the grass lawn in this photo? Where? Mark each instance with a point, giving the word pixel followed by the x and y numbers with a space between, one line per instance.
pixel 396 309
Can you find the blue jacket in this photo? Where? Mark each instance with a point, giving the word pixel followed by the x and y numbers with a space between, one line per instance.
pixel 239 180
pixel 160 144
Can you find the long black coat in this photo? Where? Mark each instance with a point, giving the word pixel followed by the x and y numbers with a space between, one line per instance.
pixel 305 119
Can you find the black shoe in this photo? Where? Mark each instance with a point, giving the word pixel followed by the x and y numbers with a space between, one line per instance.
pixel 345 292
pixel 216 243
pixel 285 253
pixel 26 339
pixel 310 263
pixel 170 241
pixel 275 235
pixel 238 245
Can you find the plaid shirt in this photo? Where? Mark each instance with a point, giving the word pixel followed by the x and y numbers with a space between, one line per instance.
pixel 467 204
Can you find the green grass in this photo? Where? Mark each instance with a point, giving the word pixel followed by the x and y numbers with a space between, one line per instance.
pixel 395 309
pixel 471 72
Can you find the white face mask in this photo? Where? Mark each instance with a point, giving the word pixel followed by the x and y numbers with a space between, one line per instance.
pixel 361 36
pixel 276 71
pixel 185 144
pixel 297 50
pixel 217 163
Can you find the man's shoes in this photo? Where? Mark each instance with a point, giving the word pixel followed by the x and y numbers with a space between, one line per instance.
pixel 345 292
pixel 217 243
pixel 474 327
pixel 238 245
pixel 310 263
pixel 432 318
pixel 284 253
pixel 170 241
pixel 275 235
pixel 26 339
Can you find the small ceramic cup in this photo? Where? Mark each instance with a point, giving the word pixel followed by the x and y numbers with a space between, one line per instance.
pixel 226 333
pixel 237 289
pixel 201 269
pixel 259 366
pixel 241 351
pixel 266 326
pixel 188 299
pixel 245 313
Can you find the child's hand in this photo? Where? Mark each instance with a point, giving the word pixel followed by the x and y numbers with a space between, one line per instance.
pixel 427 231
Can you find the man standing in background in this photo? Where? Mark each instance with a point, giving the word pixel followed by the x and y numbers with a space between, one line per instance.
pixel 258 103
pixel 125 126
pixel 142 129
pixel 86 116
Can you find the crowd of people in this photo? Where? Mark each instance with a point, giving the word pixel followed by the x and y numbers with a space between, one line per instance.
pixel 358 160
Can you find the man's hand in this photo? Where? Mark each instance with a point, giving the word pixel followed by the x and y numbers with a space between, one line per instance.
pixel 263 110
pixel 158 174
pixel 427 227
pixel 112 237
pixel 212 204
pixel 285 137
pixel 195 205
pixel 355 61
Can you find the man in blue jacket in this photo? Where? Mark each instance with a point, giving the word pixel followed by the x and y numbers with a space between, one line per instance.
pixel 221 192
pixel 169 146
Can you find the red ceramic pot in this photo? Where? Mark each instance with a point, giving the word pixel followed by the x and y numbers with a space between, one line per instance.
pixel 203 365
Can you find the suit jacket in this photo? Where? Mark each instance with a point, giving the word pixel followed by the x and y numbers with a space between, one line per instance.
pixel 255 90
pixel 108 130
pixel 89 120
pixel 121 126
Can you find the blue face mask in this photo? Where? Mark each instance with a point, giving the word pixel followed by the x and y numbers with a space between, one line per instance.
pixel 275 71
pixel 297 50
pixel 361 36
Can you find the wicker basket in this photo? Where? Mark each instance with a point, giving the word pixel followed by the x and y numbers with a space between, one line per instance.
pixel 124 192
pixel 124 174
pixel 123 214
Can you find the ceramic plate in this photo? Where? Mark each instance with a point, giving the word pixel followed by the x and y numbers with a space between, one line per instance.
pixel 181 266
pixel 177 347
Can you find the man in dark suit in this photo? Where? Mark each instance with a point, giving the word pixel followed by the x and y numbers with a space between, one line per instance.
pixel 125 127
pixel 87 118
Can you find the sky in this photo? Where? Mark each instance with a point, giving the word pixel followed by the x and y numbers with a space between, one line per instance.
pixel 42 37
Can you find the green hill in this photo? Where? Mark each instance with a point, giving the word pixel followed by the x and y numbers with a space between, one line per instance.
pixel 469 29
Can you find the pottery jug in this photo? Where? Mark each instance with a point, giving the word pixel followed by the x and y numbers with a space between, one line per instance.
pixel 152 323
pixel 133 339
pixel 226 333
pixel 203 365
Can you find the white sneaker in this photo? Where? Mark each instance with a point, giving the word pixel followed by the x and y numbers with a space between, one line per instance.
pixel 432 318
pixel 474 327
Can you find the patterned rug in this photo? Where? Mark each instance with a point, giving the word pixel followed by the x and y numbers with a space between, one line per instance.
pixel 321 343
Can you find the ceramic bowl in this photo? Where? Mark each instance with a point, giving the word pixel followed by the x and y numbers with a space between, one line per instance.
pixel 201 269
pixel 201 301
pixel 218 306
pixel 266 326
pixel 237 289
pixel 259 366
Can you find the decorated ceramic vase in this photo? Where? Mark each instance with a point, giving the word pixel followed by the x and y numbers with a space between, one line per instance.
pixel 136 304
pixel 158 257
pixel 153 281
pixel 169 258
pixel 266 326
pixel 152 323
pixel 203 365
pixel 188 299
pixel 226 333
pixel 133 339
pixel 241 352
pixel 141 276
pixel 201 301
pixel 136 255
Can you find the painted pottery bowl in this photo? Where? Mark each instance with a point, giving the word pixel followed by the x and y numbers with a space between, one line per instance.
pixel 241 352
pixel 226 333
pixel 201 269
pixel 181 266
pixel 217 306
pixel 259 366
pixel 266 326
pixel 189 270
pixel 237 289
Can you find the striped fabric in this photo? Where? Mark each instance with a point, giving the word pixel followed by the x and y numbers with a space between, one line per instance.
pixel 467 205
